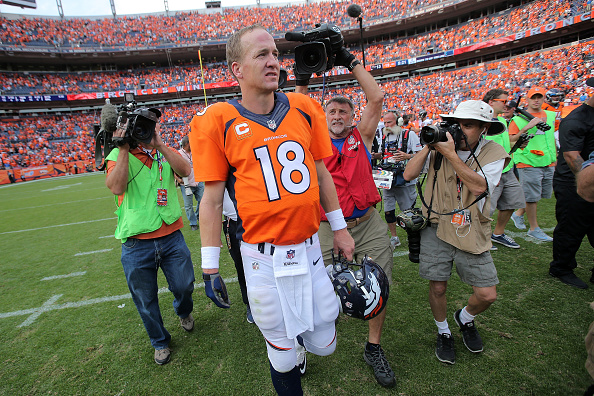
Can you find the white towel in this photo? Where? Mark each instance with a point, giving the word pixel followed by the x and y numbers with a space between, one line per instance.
pixel 293 281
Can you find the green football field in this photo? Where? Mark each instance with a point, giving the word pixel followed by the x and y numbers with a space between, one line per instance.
pixel 68 325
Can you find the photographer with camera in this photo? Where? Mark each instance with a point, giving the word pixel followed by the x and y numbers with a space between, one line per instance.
pixel 536 162
pixel 508 195
pixel 350 167
pixel 149 223
pixel 400 145
pixel 463 168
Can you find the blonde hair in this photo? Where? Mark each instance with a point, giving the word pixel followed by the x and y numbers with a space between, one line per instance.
pixel 234 50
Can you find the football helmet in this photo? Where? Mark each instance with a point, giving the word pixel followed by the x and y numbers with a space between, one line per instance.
pixel 554 96
pixel 362 289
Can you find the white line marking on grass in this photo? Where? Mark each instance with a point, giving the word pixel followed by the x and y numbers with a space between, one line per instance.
pixel 44 307
pixel 62 187
pixel 57 203
pixel 50 306
pixel 57 225
pixel 107 236
pixel 64 276
pixel 400 253
pixel 93 252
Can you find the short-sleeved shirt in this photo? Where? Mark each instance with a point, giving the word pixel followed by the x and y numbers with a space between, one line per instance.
pixel 268 163
pixel 576 133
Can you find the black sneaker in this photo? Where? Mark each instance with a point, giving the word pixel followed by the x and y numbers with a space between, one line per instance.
pixel 470 334
pixel 381 368
pixel 444 350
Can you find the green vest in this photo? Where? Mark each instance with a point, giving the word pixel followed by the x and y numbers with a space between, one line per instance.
pixel 139 212
pixel 543 142
pixel 502 139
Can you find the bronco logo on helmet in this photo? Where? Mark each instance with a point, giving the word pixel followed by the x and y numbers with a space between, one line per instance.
pixel 362 289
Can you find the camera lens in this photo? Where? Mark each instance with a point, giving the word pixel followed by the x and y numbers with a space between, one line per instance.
pixel 143 129
pixel 311 59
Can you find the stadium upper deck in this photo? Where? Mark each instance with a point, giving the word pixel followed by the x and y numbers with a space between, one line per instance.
pixel 467 33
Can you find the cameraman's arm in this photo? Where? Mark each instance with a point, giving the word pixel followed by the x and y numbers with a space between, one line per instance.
pixel 373 111
pixel 415 165
pixel 178 163
pixel 117 178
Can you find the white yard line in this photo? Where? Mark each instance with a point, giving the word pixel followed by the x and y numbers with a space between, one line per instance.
pixel 93 252
pixel 64 276
pixel 50 306
pixel 57 225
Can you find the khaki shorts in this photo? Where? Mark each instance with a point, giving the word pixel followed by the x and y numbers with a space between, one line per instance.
pixel 537 183
pixel 437 258
pixel 508 194
pixel 371 238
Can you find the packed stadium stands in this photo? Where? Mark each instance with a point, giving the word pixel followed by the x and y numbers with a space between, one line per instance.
pixel 38 139
pixel 490 27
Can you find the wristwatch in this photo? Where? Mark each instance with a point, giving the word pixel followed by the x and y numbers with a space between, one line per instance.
pixel 353 64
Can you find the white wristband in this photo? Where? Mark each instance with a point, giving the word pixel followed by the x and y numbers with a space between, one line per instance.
pixel 210 257
pixel 336 220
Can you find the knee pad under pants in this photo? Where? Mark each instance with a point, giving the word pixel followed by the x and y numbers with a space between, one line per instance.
pixel 267 312
pixel 390 216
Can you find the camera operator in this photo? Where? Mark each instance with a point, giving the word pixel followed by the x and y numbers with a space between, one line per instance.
pixel 350 167
pixel 460 228
pixel 149 223
pixel 403 192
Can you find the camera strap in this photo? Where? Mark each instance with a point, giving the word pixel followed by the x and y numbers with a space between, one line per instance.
pixel 436 167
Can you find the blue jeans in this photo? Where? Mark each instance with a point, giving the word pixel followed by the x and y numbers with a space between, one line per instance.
pixel 197 192
pixel 141 259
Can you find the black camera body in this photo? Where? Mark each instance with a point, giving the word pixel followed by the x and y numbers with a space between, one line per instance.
pixel 431 134
pixel 318 53
pixel 413 222
pixel 140 124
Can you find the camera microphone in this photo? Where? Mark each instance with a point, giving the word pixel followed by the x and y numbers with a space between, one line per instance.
pixel 294 36
pixel 109 117
pixel 354 10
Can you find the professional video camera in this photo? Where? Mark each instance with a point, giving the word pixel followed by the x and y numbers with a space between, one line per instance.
pixel 318 53
pixel 431 134
pixel 139 123
pixel 413 222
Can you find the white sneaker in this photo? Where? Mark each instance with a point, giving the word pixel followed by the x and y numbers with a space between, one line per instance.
pixel 301 357
pixel 395 242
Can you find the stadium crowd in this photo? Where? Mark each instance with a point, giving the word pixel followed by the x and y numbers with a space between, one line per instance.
pixel 493 26
pixel 192 27
pixel 57 139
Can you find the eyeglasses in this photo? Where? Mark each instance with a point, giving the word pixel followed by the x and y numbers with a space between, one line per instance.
pixel 499 100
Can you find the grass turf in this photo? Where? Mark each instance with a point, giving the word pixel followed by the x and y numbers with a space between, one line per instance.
pixel 65 336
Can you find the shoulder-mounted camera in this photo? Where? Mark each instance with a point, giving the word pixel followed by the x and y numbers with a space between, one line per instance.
pixel 140 123
pixel 318 53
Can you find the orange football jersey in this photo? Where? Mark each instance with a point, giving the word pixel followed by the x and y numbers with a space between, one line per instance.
pixel 267 162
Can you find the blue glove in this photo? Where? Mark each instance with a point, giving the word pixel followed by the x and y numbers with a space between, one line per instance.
pixel 215 289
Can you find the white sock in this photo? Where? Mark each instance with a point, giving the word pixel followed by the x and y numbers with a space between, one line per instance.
pixel 465 317
pixel 442 327
pixel 497 235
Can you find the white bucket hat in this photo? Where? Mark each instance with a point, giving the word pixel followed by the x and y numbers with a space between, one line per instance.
pixel 477 110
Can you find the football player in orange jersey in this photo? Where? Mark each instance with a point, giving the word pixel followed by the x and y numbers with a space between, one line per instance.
pixel 268 150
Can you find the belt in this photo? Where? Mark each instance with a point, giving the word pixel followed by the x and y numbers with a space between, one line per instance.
pixel 268 248
pixel 355 222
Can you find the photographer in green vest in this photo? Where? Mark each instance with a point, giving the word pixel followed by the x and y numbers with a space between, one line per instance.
pixel 536 162
pixel 508 195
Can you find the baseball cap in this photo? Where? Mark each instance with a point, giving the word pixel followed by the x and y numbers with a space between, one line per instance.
pixel 590 82
pixel 477 110
pixel 536 90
